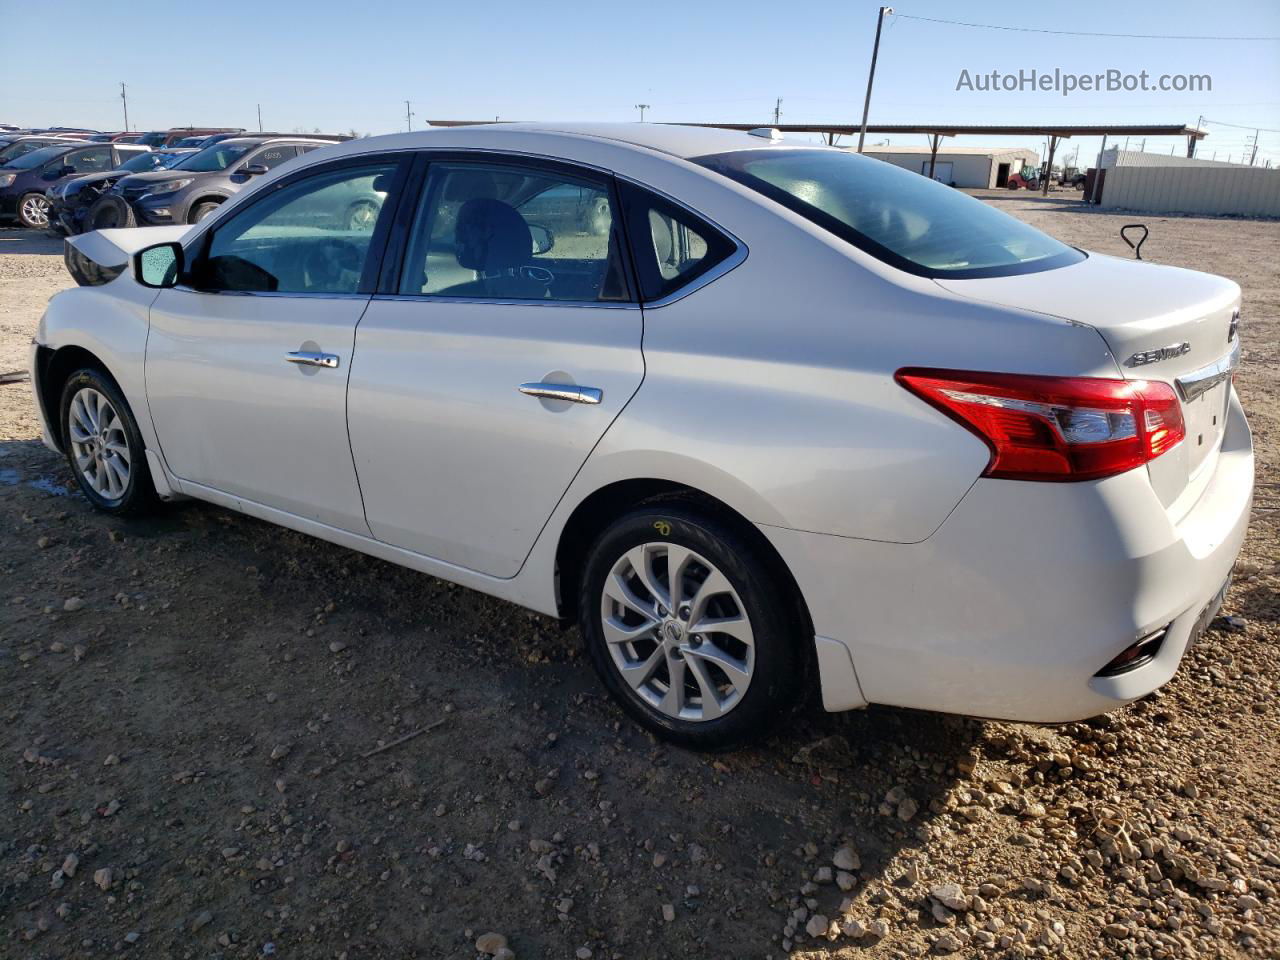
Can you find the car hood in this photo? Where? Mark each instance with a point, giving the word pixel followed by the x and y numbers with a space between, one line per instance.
pixel 160 176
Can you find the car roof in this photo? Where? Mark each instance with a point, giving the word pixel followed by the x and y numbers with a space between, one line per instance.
pixel 254 140
pixel 679 141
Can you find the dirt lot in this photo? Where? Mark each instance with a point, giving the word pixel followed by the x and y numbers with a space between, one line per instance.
pixel 190 707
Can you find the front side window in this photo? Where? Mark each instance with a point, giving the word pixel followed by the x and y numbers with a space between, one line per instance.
pixel 905 220
pixel 509 232
pixel 91 161
pixel 311 236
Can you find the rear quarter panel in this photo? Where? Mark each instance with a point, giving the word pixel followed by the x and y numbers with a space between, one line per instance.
pixel 772 387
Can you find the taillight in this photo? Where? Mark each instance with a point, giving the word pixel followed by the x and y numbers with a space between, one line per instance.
pixel 1056 428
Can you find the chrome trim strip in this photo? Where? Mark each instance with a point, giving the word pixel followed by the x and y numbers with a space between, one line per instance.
pixel 562 391
pixel 1199 382
pixel 273 293
pixel 431 298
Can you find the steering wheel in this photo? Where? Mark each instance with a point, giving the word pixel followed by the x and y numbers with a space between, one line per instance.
pixel 328 262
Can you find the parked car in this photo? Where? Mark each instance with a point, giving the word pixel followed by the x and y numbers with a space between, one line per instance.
pixel 809 420
pixel 82 203
pixel 24 181
pixel 121 136
pixel 200 183
pixel 167 138
pixel 12 149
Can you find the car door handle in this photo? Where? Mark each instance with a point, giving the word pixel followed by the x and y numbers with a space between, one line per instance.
pixel 562 391
pixel 311 359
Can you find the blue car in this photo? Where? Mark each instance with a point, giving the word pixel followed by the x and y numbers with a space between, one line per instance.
pixel 24 182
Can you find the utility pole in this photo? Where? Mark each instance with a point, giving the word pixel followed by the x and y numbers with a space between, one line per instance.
pixel 1191 141
pixel 1143 148
pixel 642 107
pixel 777 110
pixel 408 116
pixel 125 101
pixel 875 52
pixel 1254 156
pixel 259 118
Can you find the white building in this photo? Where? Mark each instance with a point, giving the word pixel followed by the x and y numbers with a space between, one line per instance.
pixel 1115 157
pixel 961 166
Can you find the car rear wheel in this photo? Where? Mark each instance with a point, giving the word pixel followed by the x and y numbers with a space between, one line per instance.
pixel 110 212
pixel 33 210
pixel 202 210
pixel 103 446
pixel 690 627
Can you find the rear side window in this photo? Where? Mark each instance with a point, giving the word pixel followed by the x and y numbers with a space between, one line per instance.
pixel 673 247
pixel 897 216
pixel 499 231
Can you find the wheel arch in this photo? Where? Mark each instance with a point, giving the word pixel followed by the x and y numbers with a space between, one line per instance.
pixel 55 366
pixel 597 510
pixel 216 199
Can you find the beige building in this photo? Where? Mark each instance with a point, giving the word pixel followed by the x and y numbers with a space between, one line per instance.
pixel 961 166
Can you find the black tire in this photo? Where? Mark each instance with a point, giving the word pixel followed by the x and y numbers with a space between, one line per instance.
pixel 110 212
pixel 202 210
pixel 138 495
pixel 776 620
pixel 27 207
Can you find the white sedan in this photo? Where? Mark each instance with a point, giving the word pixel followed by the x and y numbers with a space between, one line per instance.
pixel 767 418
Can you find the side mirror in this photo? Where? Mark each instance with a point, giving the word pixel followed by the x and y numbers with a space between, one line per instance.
pixel 543 239
pixel 253 169
pixel 158 267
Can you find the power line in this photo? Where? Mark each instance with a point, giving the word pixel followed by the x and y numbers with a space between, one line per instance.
pixel 1240 126
pixel 1076 33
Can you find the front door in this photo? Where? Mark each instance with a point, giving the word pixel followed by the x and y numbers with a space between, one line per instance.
pixel 247 361
pixel 510 344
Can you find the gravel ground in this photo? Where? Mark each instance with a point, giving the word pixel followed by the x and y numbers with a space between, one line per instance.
pixel 224 739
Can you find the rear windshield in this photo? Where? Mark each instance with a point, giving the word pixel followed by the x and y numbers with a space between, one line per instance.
pixel 217 157
pixel 905 219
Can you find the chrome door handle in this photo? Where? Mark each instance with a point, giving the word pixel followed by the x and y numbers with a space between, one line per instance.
pixel 562 391
pixel 311 359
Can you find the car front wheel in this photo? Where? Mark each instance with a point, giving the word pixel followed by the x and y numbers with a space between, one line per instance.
pixel 103 446
pixel 690 626
pixel 33 210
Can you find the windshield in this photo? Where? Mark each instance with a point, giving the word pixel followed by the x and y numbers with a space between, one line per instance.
pixel 18 148
pixel 36 158
pixel 153 139
pixel 896 215
pixel 217 157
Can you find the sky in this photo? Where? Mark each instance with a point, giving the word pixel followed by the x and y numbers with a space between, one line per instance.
pixel 339 66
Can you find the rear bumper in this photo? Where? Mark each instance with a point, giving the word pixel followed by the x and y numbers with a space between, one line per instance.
pixel 1027 590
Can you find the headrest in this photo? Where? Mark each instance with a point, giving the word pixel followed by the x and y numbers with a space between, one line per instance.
pixel 491 237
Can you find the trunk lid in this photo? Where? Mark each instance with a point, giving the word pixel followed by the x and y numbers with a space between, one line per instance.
pixel 1160 323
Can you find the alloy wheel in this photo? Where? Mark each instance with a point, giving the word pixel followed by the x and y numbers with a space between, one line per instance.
pixel 98 444
pixel 35 211
pixel 677 631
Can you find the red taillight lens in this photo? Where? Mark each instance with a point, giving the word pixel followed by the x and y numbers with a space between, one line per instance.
pixel 1056 428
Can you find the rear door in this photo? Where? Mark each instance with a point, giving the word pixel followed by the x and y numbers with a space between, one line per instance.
pixel 495 357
